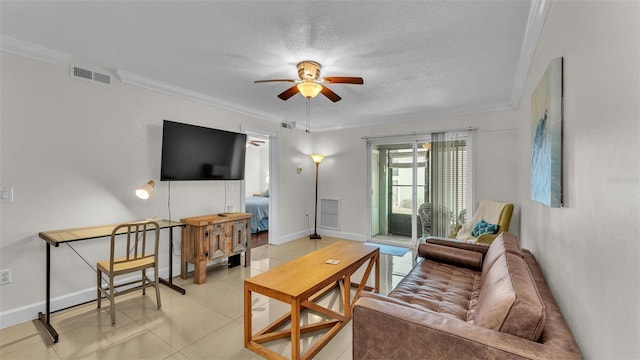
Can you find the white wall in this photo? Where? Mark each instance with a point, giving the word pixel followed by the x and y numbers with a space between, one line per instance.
pixel 343 172
pixel 296 190
pixel 252 171
pixel 74 152
pixel 590 250
pixel 257 168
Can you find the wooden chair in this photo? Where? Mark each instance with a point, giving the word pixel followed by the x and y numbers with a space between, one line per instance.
pixel 139 253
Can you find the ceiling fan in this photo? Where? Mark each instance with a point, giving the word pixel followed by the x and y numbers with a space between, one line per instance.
pixel 310 83
pixel 255 142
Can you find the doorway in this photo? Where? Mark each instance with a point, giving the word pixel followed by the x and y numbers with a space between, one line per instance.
pixel 398 185
pixel 257 183
pixel 420 186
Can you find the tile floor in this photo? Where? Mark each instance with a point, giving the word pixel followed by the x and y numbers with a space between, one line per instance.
pixel 206 323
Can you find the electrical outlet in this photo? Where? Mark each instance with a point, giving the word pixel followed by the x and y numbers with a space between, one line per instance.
pixel 6 194
pixel 5 276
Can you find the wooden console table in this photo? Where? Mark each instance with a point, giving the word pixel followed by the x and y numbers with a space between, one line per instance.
pixel 211 237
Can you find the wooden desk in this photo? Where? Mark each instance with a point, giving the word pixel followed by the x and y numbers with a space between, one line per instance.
pixel 300 283
pixel 57 237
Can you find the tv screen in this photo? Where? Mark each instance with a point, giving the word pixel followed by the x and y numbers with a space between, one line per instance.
pixel 191 152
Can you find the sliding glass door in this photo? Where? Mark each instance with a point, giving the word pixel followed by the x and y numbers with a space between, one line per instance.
pixel 396 184
pixel 419 187
pixel 400 189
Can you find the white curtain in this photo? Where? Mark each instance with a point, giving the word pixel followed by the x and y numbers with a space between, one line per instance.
pixel 450 179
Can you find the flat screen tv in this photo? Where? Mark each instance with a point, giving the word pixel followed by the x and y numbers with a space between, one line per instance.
pixel 191 152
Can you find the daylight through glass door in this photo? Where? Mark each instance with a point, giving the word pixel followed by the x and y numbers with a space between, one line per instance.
pixel 418 188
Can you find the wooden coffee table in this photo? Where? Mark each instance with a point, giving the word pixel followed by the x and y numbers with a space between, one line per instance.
pixel 300 283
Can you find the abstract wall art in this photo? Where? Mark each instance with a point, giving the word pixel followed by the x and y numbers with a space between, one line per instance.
pixel 546 142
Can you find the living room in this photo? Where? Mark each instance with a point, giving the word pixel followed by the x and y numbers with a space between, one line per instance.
pixel 74 152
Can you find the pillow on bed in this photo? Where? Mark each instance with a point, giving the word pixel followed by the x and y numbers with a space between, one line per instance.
pixel 266 193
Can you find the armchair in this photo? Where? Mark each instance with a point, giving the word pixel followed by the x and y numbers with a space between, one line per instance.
pixel 492 212
pixel 443 218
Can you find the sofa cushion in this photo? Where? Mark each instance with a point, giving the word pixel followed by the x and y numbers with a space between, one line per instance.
pixel 505 242
pixel 509 300
pixel 442 288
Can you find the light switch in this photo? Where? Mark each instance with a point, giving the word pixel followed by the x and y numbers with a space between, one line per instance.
pixel 6 194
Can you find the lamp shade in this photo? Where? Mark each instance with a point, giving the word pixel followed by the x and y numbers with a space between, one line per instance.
pixel 317 158
pixel 309 89
pixel 145 191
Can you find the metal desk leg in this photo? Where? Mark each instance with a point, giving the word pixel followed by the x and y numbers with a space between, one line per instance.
pixel 169 283
pixel 46 320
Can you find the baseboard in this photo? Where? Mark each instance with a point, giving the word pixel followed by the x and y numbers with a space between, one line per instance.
pixel 286 238
pixel 322 232
pixel 30 312
pixel 343 235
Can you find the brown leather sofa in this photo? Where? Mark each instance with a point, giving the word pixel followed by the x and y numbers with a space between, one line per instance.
pixel 465 301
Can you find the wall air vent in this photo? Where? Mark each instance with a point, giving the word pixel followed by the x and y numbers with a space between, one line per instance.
pixel 90 75
pixel 330 212
pixel 287 125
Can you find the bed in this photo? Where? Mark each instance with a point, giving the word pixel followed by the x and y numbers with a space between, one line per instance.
pixel 258 207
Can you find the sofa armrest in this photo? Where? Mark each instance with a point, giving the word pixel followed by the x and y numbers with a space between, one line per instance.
pixel 451 255
pixel 478 247
pixel 488 238
pixel 383 328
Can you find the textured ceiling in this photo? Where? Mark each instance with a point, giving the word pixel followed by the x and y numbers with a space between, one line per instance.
pixel 419 59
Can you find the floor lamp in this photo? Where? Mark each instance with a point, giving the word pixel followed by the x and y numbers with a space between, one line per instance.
pixel 316 159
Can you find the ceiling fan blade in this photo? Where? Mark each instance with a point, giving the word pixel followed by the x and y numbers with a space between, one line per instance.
pixel 274 80
pixel 330 94
pixel 285 95
pixel 343 80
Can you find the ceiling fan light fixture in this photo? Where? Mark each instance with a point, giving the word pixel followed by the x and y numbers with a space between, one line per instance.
pixel 309 89
pixel 308 70
pixel 310 83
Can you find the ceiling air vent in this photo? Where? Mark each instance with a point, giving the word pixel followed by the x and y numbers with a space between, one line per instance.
pixel 82 73
pixel 102 78
pixel 86 74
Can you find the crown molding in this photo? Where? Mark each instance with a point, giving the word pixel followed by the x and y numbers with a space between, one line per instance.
pixel 535 23
pixel 425 116
pixel 33 51
pixel 130 78
pixel 39 53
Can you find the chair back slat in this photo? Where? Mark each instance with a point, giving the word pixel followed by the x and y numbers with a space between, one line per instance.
pixel 137 246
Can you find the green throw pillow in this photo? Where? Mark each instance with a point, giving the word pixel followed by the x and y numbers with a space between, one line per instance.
pixel 483 227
